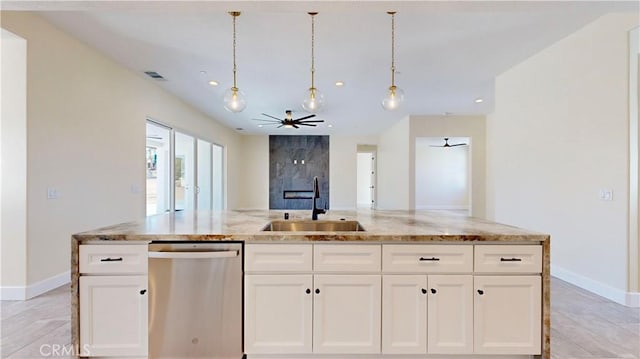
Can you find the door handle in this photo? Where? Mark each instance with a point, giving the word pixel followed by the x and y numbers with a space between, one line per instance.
pixel 194 255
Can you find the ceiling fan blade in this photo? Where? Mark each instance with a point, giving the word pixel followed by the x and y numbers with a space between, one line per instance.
pixel 306 124
pixel 311 121
pixel 275 118
pixel 271 124
pixel 271 121
pixel 294 125
pixel 305 117
pixel 279 126
pixel 435 146
pixel 458 144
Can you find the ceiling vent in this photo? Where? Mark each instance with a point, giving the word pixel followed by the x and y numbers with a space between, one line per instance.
pixel 154 75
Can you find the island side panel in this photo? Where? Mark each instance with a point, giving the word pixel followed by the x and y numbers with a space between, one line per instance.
pixel 75 298
pixel 546 299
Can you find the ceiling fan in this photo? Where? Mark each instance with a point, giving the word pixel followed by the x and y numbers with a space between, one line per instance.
pixel 446 143
pixel 288 121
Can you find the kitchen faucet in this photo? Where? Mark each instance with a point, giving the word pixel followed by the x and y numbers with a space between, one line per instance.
pixel 316 194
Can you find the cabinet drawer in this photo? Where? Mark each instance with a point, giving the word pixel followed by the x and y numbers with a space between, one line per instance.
pixel 508 258
pixel 278 257
pixel 112 258
pixel 427 258
pixel 346 258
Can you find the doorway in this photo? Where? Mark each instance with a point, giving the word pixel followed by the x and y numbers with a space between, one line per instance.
pixel 366 177
pixel 443 174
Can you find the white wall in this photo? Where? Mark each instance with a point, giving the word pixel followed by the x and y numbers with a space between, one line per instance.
pixel 558 135
pixel 343 169
pixel 395 158
pixel 634 159
pixel 85 118
pixel 442 175
pixel 13 154
pixel 254 182
pixel 473 127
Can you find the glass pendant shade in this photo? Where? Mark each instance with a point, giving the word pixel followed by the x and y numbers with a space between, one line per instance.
pixel 234 100
pixel 314 101
pixel 394 98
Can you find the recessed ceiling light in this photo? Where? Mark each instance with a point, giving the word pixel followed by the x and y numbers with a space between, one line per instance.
pixel 203 72
pixel 329 125
pixel 479 100
pixel 213 83
pixel 259 125
pixel 339 83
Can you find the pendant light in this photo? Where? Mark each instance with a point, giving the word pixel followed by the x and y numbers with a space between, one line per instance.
pixel 395 96
pixel 314 99
pixel 234 99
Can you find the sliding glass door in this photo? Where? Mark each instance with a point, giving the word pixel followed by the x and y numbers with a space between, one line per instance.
pixel 183 172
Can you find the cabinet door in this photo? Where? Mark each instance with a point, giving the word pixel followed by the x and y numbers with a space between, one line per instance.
pixel 450 314
pixel 346 314
pixel 507 314
pixel 114 315
pixel 404 314
pixel 277 311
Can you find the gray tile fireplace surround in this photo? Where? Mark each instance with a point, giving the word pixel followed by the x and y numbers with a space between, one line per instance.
pixel 293 162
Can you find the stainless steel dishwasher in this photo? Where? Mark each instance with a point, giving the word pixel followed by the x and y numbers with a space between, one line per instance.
pixel 195 300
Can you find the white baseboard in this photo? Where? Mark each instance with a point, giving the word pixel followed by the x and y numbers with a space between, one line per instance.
pixel 445 207
pixel 619 296
pixel 35 289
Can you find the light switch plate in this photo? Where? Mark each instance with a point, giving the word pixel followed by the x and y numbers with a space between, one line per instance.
pixel 52 193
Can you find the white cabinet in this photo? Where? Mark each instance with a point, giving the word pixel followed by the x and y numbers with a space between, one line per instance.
pixel 404 314
pixel 346 314
pixel 427 314
pixel 507 314
pixel 114 307
pixel 113 315
pixel 278 314
pixel 450 314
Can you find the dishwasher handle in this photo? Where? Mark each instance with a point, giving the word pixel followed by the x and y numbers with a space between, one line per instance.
pixel 194 255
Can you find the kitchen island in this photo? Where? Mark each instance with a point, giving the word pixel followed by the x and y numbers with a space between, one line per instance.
pixel 453 252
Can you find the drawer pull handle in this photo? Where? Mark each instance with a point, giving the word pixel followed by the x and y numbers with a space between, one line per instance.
pixel 317 290
pixel 433 291
pixel 143 291
pixel 429 259
pixel 510 259
pixel 308 291
pixel 424 291
pixel 109 259
pixel 480 291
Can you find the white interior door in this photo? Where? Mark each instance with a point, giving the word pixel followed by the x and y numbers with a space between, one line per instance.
pixel 158 168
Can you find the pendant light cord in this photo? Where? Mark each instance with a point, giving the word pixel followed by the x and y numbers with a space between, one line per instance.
pixel 393 48
pixel 235 15
pixel 313 40
pixel 234 52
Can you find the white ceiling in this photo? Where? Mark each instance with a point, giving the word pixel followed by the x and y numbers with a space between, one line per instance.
pixel 447 54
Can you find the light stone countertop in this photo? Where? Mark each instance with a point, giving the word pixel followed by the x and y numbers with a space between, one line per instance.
pixel 246 225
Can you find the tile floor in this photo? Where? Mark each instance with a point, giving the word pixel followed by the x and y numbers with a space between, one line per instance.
pixel 583 325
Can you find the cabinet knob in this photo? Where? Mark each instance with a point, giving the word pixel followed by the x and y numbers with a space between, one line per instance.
pixel 434 291
pixel 142 292
pixel 317 290
pixel 480 291
pixel 308 291
pixel 424 291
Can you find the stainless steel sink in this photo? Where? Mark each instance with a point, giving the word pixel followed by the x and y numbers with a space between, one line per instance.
pixel 314 226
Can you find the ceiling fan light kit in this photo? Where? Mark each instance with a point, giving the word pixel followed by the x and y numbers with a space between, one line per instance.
pixel 314 99
pixel 395 95
pixel 234 99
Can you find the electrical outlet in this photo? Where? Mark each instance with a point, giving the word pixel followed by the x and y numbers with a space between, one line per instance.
pixel 52 193
pixel 606 194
